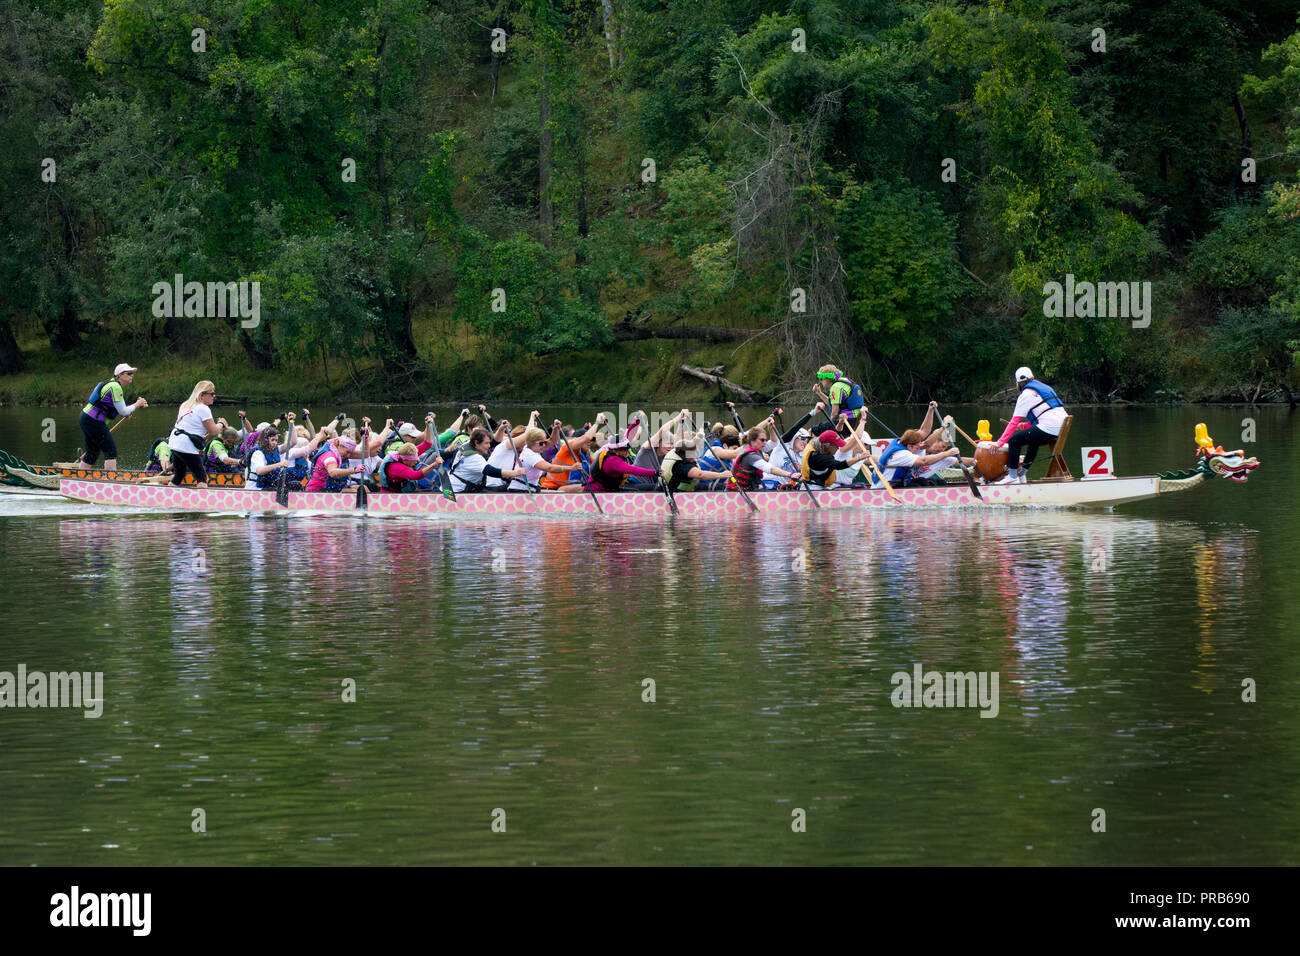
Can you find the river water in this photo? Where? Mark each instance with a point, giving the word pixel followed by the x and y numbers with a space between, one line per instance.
pixel 500 670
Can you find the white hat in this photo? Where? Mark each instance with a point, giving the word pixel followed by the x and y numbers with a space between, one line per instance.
pixel 262 426
pixel 1023 374
pixel 123 368
pixel 803 433
pixel 408 430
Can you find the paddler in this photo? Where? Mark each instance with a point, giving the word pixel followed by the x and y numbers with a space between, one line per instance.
pixel 107 401
pixel 824 456
pixel 611 467
pixel 656 446
pixel 267 461
pixel 749 467
pixel 680 469
pixel 900 459
pixel 159 461
pixel 217 457
pixel 575 472
pixel 1037 420
pixel 846 398
pixel 398 471
pixel 470 468
pixel 329 472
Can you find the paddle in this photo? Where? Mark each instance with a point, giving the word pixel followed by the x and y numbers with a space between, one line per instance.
pixel 951 439
pixel 870 460
pixel 515 448
pixel 125 419
pixel 743 493
pixel 659 474
pixel 780 428
pixel 583 468
pixel 363 493
pixel 282 491
pixel 444 482
pixel 740 426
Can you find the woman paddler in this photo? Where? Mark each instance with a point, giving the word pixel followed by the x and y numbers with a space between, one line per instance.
pixel 398 471
pixel 824 457
pixel 107 401
pixel 194 426
pixel 574 473
pixel 470 468
pixel 267 461
pixel 750 466
pixel 611 467
pixel 330 472
pixel 681 471
pixel 723 447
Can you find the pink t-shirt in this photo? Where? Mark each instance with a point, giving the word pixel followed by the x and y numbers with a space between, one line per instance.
pixel 319 474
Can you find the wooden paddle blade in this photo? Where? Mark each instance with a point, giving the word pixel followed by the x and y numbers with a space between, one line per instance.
pixel 363 497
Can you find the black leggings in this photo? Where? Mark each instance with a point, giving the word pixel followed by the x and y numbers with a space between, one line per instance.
pixel 97 439
pixel 1032 438
pixel 183 461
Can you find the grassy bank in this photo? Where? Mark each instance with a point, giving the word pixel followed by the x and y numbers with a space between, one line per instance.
pixel 638 371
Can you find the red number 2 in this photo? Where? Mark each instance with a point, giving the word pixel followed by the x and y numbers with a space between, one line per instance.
pixel 1098 456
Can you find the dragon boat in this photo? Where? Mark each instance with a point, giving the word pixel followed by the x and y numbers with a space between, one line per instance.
pixel 1106 492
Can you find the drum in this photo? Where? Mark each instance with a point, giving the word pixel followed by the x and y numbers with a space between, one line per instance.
pixel 990 460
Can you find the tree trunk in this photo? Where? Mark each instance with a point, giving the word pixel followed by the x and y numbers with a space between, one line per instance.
pixel 610 44
pixel 545 214
pixel 61 323
pixel 11 357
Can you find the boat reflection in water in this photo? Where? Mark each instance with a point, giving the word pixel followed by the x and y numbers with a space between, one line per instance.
pixel 1028 593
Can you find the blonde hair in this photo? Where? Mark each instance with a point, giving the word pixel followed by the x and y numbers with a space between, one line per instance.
pixel 189 403
pixel 533 434
pixel 409 450
pixel 828 368
pixel 301 432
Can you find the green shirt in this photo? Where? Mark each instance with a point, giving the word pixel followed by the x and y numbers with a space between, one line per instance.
pixel 113 390
pixel 840 393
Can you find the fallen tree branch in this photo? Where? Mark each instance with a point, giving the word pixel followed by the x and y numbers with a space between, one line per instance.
pixel 714 377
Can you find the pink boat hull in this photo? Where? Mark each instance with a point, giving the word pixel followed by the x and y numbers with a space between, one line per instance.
pixel 622 504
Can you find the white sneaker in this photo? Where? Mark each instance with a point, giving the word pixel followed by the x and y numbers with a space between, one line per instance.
pixel 1022 477
pixel 1010 478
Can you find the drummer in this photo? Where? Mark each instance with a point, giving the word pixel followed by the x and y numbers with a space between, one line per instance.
pixel 1037 420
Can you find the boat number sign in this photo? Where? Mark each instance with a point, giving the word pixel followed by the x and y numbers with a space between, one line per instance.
pixel 1098 462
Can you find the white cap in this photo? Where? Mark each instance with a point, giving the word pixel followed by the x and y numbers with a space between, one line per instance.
pixel 803 433
pixel 408 430
pixel 1023 374
pixel 262 426
pixel 123 368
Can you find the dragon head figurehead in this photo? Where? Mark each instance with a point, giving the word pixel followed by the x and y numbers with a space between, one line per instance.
pixel 1213 460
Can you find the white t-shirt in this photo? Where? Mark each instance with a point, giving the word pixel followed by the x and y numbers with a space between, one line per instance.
pixel 899 459
pixel 927 471
pixel 467 468
pixel 192 422
pixel 1050 420
pixel 255 461
pixel 503 457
